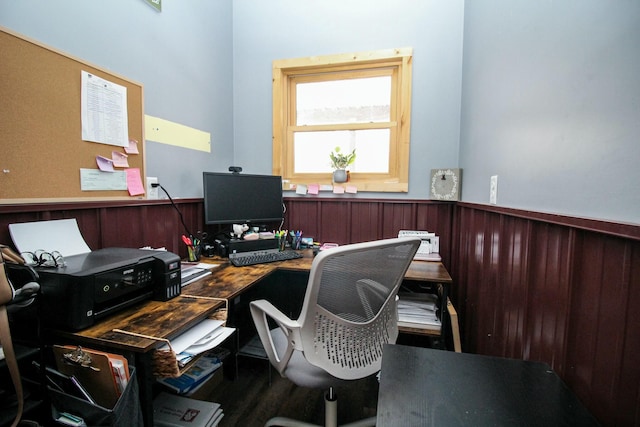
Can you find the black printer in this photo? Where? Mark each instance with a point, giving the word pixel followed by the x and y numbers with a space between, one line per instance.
pixel 94 285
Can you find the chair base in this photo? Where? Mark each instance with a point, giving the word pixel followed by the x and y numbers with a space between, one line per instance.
pixel 330 417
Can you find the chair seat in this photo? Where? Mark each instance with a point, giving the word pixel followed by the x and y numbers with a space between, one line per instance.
pixel 300 371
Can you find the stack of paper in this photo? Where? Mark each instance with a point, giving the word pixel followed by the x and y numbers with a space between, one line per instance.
pixel 175 411
pixel 205 336
pixel 189 273
pixel 419 311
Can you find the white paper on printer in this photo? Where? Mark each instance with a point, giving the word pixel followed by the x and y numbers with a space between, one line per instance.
pixel 62 235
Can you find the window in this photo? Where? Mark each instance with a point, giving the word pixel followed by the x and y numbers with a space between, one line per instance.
pixel 353 101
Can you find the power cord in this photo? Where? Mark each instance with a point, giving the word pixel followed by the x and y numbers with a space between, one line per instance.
pixel 154 185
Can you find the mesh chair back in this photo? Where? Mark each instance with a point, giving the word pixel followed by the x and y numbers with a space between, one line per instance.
pixel 350 308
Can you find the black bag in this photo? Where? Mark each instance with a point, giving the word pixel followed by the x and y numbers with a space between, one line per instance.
pixel 10 296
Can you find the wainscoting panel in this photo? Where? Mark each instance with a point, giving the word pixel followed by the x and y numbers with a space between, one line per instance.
pixel 527 285
pixel 131 224
pixel 359 220
pixel 556 292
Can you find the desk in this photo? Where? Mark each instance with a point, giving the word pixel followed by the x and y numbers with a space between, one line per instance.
pixel 169 319
pixel 428 387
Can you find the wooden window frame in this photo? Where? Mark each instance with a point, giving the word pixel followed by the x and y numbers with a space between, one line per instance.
pixel 286 71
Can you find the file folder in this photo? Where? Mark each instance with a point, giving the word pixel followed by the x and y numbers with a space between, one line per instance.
pixel 97 376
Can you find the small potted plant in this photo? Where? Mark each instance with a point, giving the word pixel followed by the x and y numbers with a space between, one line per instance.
pixel 339 163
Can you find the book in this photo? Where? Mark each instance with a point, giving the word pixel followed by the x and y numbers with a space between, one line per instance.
pixel 170 410
pixel 197 374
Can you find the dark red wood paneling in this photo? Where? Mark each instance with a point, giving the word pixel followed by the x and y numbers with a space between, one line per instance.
pixel 548 268
pixel 557 292
pixel 358 220
pixel 604 327
pixel 365 222
pixel 527 285
pixel 130 224
pixel 396 217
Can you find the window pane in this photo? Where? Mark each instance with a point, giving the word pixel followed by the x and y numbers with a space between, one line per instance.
pixel 363 100
pixel 311 150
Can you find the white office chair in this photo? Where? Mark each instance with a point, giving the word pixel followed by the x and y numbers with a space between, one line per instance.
pixel 349 312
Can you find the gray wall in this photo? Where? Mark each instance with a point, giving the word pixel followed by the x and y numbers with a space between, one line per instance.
pixel 182 57
pixel 551 104
pixel 546 95
pixel 279 29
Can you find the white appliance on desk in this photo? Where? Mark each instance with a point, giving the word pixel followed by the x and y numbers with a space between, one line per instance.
pixel 429 245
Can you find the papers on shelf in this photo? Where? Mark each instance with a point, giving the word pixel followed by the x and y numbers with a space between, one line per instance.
pixel 204 336
pixel 194 377
pixel 427 257
pixel 419 311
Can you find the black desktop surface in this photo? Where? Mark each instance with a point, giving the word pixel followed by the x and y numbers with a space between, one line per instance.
pixel 429 387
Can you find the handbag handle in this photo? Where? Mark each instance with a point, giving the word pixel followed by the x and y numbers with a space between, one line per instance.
pixel 6 295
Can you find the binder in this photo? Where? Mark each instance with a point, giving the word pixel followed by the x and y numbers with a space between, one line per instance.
pixel 97 376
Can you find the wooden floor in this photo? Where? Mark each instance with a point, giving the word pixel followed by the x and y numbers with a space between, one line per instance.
pixel 250 400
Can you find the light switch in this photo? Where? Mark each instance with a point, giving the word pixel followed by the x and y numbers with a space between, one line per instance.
pixel 493 190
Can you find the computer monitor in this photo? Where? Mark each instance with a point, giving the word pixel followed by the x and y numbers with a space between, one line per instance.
pixel 237 198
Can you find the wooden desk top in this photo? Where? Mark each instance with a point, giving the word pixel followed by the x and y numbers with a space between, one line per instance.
pixel 168 319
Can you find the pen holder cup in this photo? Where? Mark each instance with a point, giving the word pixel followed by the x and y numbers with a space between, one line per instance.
pixel 282 243
pixel 295 243
pixel 193 253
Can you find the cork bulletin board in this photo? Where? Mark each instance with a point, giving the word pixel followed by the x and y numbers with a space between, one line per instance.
pixel 41 145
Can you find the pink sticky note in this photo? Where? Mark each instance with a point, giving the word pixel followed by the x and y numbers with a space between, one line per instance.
pixel 352 189
pixel 313 189
pixel 119 159
pixel 338 189
pixel 104 164
pixel 134 182
pixel 132 148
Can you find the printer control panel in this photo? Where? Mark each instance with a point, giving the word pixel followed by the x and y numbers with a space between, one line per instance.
pixel 115 283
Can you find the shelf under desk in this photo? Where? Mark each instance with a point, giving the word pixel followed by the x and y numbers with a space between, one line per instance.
pixel 153 318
